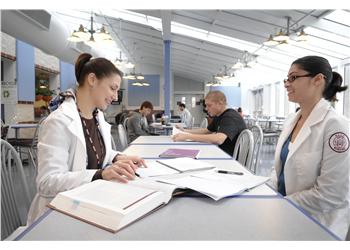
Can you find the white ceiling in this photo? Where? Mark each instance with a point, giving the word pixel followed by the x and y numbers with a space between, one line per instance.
pixel 219 37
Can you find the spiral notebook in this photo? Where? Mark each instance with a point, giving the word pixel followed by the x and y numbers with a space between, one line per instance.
pixel 178 152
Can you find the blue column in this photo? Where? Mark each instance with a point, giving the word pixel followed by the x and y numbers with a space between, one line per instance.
pixel 67 76
pixel 167 77
pixel 25 71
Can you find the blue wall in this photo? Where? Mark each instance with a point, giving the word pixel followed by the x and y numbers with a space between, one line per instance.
pixel 137 95
pixel 67 76
pixel 25 67
pixel 233 95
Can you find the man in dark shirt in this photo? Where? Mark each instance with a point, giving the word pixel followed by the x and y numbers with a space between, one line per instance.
pixel 224 129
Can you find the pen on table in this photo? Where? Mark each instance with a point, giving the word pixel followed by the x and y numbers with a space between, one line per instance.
pixel 228 172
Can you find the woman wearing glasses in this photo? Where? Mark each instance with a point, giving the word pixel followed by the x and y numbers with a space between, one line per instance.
pixel 75 140
pixel 312 155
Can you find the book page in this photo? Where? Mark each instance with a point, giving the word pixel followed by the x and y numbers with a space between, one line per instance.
pixel 246 180
pixel 177 131
pixel 154 168
pixel 165 188
pixel 109 194
pixel 217 186
pixel 184 164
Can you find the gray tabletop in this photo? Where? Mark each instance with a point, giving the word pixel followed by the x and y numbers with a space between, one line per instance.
pixel 189 218
pixel 153 151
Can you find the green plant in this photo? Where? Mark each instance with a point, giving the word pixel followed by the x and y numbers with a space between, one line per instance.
pixel 44 92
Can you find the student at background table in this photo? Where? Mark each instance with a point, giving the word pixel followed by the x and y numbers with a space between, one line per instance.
pixel 185 115
pixel 75 140
pixel 225 128
pixel 137 124
pixel 312 155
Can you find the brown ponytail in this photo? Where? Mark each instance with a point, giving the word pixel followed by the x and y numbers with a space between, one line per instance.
pixel 101 67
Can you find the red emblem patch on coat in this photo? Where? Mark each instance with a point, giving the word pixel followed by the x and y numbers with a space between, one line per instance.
pixel 339 142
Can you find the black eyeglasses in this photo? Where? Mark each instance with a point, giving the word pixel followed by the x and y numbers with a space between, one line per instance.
pixel 293 78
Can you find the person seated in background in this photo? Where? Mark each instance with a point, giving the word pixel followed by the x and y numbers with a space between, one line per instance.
pixel 74 145
pixel 137 122
pixel 186 117
pixel 312 154
pixel 225 128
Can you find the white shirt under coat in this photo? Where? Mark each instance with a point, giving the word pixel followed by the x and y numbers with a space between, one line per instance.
pixel 186 118
pixel 316 171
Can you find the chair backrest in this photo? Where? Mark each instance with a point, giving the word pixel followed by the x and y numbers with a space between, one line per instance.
pixel 15 198
pixel 243 151
pixel 113 143
pixel 36 133
pixel 192 121
pixel 34 147
pixel 204 123
pixel 125 123
pixel 123 139
pixel 258 140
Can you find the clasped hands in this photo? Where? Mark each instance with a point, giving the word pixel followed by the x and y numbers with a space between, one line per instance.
pixel 124 168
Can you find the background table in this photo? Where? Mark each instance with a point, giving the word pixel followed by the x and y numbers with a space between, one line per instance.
pixel 153 151
pixel 162 139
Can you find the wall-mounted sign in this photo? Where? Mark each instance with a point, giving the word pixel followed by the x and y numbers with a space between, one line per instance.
pixel 8 93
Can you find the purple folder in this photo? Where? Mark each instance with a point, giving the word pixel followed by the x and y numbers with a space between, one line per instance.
pixel 178 152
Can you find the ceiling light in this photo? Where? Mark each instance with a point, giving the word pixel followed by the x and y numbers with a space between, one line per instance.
pixel 270 41
pixel 213 82
pixel 90 36
pixel 247 61
pixel 129 65
pixel 137 84
pixel 302 36
pixel 281 36
pixel 119 61
pixel 238 65
pixel 74 38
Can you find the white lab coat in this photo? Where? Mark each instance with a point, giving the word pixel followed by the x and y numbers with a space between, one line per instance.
pixel 62 155
pixel 186 118
pixel 317 177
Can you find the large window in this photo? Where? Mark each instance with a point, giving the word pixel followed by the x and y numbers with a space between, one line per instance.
pixel 258 102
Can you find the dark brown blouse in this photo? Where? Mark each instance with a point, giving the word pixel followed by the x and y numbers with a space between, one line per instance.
pixel 98 143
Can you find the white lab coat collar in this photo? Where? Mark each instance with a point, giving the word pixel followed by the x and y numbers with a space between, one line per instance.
pixel 317 115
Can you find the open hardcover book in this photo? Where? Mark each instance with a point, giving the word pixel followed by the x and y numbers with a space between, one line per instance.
pixel 113 205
